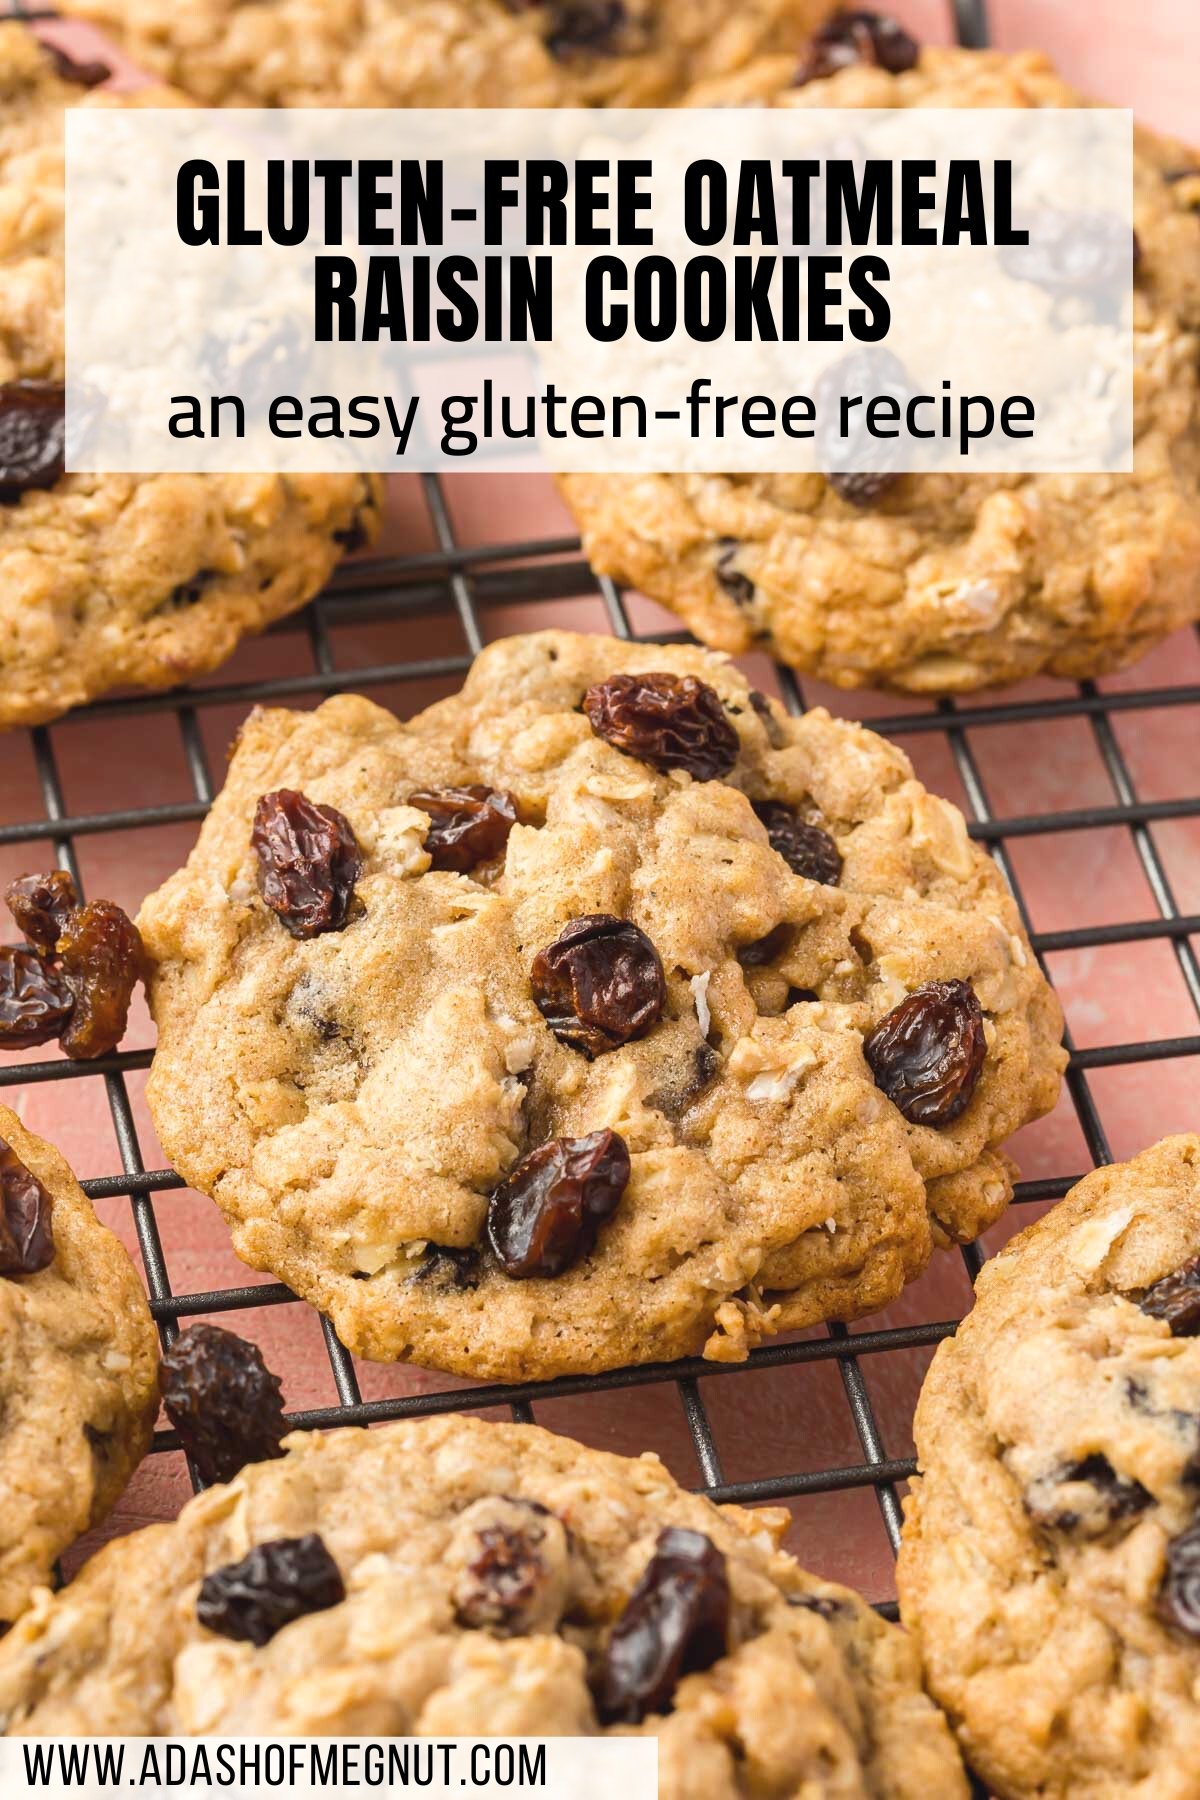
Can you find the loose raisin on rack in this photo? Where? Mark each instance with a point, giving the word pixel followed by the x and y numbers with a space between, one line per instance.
pixel 675 1623
pixel 91 959
pixel 1085 1498
pixel 599 984
pixel 102 960
pixel 1072 252
pixel 927 1052
pixel 222 1400
pixel 806 849
pixel 43 906
pixel 33 425
pixel 467 825
pixel 308 862
pixel 34 1001
pixel 503 1583
pixel 1179 1595
pixel 857 36
pixel 583 25
pixel 275 1583
pixel 26 1237
pixel 731 580
pixel 545 1214
pixel 668 721
pixel 1176 1298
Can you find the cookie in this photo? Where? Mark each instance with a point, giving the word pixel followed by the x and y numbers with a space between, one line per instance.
pixel 532 1035
pixel 107 580
pixel 447 52
pixel 78 1365
pixel 1052 1541
pixel 464 1578
pixel 944 583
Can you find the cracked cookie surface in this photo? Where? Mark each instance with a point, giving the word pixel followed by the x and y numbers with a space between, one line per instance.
pixel 78 1378
pixel 447 52
pixel 107 580
pixel 483 1568
pixel 359 1100
pixel 1049 1537
pixel 946 583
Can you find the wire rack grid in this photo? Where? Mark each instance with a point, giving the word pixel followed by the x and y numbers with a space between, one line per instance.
pixel 460 585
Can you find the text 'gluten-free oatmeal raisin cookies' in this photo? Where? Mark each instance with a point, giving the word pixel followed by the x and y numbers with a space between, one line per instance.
pixel 942 583
pixel 447 52
pixel 78 1365
pixel 600 1013
pixel 107 580
pixel 450 1577
pixel 1050 1568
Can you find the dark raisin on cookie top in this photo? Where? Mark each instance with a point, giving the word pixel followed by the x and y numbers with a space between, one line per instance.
pixel 600 984
pixel 926 1054
pixel 26 1236
pixel 273 1584
pixel 1176 1299
pixel 675 1623
pixel 668 721
pixel 467 825
pixel 33 429
pixel 856 35
pixel 308 862
pixel 1179 1595
pixel 545 1214
pixel 806 849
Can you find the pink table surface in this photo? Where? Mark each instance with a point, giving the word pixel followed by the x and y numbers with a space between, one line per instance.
pixel 765 1422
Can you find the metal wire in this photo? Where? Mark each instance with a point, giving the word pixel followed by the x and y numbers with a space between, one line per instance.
pixel 461 584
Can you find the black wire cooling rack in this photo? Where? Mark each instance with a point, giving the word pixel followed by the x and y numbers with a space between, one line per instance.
pixel 463 585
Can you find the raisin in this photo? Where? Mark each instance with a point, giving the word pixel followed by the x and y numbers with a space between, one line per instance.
pixel 546 1212
pixel 26 1238
pixel 863 372
pixel 583 25
pixel 739 587
pixel 34 1002
pixel 33 424
pixel 447 1267
pixel 821 1604
pixel 1176 1298
pixel 764 950
pixel 1179 1595
pixel 678 1092
pixel 675 1623
pixel 222 1400
pixel 857 36
pixel 275 1583
pixel 467 825
pixel 82 74
pixel 91 958
pixel 599 984
pixel 668 721
pixel 102 960
pixel 1072 253
pixel 192 591
pixel 308 862
pixel 507 1573
pixel 1105 1499
pixel 806 849
pixel 861 490
pixel 42 906
pixel 927 1052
